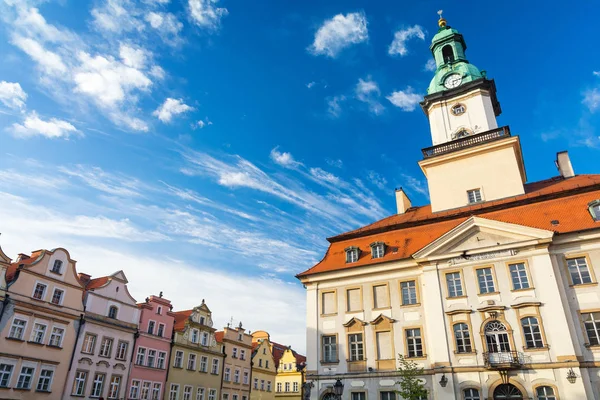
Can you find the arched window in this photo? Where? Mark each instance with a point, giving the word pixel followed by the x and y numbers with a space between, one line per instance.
pixel 448 53
pixel 471 394
pixel 463 338
pixel 545 393
pixel 496 337
pixel 462 133
pixel 532 333
pixel 507 391
pixel 458 109
pixel 112 312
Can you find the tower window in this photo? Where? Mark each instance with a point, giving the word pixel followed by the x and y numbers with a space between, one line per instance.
pixel 594 208
pixel 474 196
pixel 458 109
pixel 448 53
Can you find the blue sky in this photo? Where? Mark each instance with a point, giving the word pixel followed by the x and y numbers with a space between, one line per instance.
pixel 209 148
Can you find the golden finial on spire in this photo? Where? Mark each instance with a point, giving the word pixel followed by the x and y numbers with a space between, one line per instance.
pixel 441 21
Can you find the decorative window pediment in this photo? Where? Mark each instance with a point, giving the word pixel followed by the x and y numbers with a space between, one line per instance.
pixel 352 254
pixel 382 318
pixel 354 321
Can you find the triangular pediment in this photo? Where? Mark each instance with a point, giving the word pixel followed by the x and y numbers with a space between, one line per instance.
pixel 478 234
pixel 353 321
pixel 382 318
pixel 120 275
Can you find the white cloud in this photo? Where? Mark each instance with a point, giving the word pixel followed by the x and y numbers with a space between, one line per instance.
pixel 117 16
pixel 202 123
pixel 50 62
pixel 33 23
pixel 157 72
pixel 591 99
pixel 430 65
pixel 206 14
pixel 324 176
pixel 334 105
pixel 597 73
pixel 35 126
pixel 310 84
pixel 284 159
pixel 368 92
pixel 133 57
pixel 334 163
pixel 415 185
pixel 406 100
pixel 377 180
pixel 95 177
pixel 12 95
pixel 170 108
pixel 398 45
pixel 166 25
pixel 340 32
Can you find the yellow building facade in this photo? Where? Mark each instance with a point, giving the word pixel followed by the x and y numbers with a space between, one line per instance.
pixel 237 345
pixel 264 371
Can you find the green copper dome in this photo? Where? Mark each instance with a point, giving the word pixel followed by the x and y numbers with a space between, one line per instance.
pixel 448 49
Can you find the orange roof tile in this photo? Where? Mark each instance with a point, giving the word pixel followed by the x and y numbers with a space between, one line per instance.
pixel 563 200
pixel 219 336
pixel 279 349
pixel 96 283
pixel 180 318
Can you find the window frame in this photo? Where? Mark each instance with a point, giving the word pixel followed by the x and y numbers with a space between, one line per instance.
pixel 456 105
pixel 8 373
pixel 540 385
pixel 387 288
pixel 62 336
pixel 464 395
pixel 152 323
pixel 392 347
pixel 417 302
pixel 590 267
pixel 93 388
pixel 539 326
pixel 527 274
pixel 60 264
pixel 45 292
pixel 596 325
pixel 360 294
pixel 203 361
pixel 118 350
pixel 470 338
pixel 192 358
pixel 50 379
pixel 362 347
pixel 374 252
pixel 591 205
pixel 406 345
pixel 110 311
pixel 215 366
pixel 111 385
pixel 474 190
pixel 76 380
pixel 34 332
pixel 111 342
pixel 494 279
pixel 462 283
pixel 137 385
pixel 337 355
pixel 322 294
pixel 175 357
pixel 62 297
pixel 352 250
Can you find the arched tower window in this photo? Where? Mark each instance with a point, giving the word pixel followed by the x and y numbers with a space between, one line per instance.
pixel 448 53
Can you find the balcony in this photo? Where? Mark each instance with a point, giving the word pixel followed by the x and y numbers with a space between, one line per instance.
pixel 504 360
pixel 466 142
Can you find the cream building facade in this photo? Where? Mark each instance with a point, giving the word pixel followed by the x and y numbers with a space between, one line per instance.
pixel 492 288
pixel 237 369
pixel 196 363
pixel 39 324
pixel 290 375
pixel 264 371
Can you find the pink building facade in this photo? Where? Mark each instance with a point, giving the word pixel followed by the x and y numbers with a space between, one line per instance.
pixel 152 350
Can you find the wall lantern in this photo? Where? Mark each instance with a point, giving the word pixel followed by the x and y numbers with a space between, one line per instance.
pixel 571 376
pixel 443 381
pixel 338 388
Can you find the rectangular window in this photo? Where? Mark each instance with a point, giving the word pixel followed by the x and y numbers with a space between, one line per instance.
pixel 355 341
pixel 212 394
pixel 268 386
pixel 358 396
pixel 161 330
pixel 234 397
pixel 454 284
pixel 236 376
pixel 17 329
pixel 97 385
pixel 204 339
pixel 134 390
pixel 414 342
pixel 106 347
pixel 195 335
pixel 462 337
pixel 160 362
pixel 140 357
pixel 260 362
pixel 56 337
pixel 485 280
pixel 384 345
pixel 200 394
pixel 474 195
pixel 579 271
pixel 262 384
pixel 256 383
pixel 591 322
pixel 234 352
pixel 145 390
pixel 45 380
pixel 377 250
pixel 151 325
pixel 246 377
pixel 79 383
pixel 409 292
pixel 174 392
pixel 156 390
pixel 56 266
pixel 215 366
pixel 380 296
pixel 351 255
pixel 227 374
pixel 178 362
pixel 295 387
pixel 40 291
pixel 279 387
pixel 329 349
pixel 5 374
pixel 353 300
pixel 203 364
pixel 25 378
pixel 242 354
pixel 387 395
pixel 191 362
pixel 287 386
pixel 39 331
pixel 518 275
pixel 532 333
pixel 225 396
pixel 114 387
pixel 89 342
pixel 122 350
pixel 151 358
pixel 57 296
pixel 328 306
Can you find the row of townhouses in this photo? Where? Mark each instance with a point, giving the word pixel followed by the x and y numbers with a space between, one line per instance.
pixel 66 335
pixel 492 288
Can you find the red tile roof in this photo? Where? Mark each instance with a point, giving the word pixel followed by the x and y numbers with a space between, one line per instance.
pixel 180 318
pixel 563 200
pixel 96 283
pixel 219 336
pixel 279 349
pixel 11 271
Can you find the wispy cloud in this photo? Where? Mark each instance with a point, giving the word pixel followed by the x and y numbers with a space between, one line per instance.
pixel 311 84
pixel 206 14
pixel 430 65
pixel 376 179
pixel 170 108
pixel 202 123
pixel 406 99
pixel 284 159
pixel 338 33
pixel 368 92
pixel 591 99
pixel 334 105
pixel 12 95
pixel 334 163
pixel 97 178
pixel 33 125
pixel 398 45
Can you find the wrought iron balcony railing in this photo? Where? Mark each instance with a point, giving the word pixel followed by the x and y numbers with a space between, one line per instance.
pixel 466 142
pixel 504 360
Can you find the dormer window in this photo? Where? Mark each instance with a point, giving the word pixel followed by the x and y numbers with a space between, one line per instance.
pixel 351 254
pixel 112 312
pixel 594 207
pixel 56 268
pixel 377 249
pixel 474 196
pixel 448 53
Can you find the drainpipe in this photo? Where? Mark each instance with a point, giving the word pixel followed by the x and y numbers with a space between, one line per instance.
pixel 4 304
pixel 136 335
pixel 220 396
pixel 318 344
pixel 81 323
pixel 437 272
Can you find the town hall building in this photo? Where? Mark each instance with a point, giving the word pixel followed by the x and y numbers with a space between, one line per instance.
pixel 492 288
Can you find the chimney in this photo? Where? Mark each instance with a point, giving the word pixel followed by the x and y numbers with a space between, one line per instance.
pixel 84 278
pixel 563 163
pixel 402 201
pixel 22 257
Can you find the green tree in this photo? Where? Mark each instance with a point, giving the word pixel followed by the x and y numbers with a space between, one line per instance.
pixel 411 386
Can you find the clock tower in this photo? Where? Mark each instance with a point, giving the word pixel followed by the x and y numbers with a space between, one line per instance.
pixel 472 160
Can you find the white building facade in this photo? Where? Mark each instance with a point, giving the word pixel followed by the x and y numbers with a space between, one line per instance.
pixel 491 289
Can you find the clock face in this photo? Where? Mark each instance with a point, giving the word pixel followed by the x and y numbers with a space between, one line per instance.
pixel 452 81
